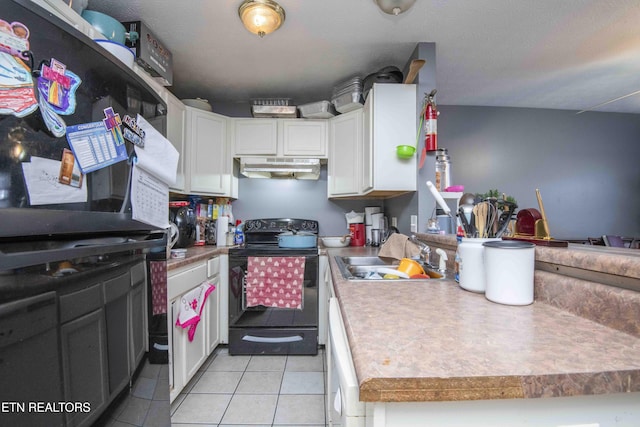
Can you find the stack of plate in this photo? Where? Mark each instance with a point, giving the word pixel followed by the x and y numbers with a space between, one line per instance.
pixel 347 96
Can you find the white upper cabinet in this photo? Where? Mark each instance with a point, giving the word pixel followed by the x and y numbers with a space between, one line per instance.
pixel 390 120
pixel 176 115
pixel 345 154
pixel 255 137
pixel 209 171
pixel 279 137
pixel 362 155
pixel 304 138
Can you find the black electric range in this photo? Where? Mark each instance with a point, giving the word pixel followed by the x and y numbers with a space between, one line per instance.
pixel 258 325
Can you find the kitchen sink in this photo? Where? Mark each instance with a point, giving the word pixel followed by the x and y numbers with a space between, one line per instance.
pixel 365 267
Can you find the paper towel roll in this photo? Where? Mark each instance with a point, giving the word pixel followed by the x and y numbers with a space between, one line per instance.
pixel 222 228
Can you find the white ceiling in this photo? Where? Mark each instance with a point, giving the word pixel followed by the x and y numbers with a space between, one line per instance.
pixel 560 54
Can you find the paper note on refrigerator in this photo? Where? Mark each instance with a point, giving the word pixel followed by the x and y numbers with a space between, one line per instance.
pixel 41 176
pixel 149 198
pixel 158 156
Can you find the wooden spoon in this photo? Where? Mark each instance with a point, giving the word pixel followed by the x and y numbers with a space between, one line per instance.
pixel 414 67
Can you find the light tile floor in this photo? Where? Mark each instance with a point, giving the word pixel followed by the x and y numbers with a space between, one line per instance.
pixel 254 391
pixel 145 404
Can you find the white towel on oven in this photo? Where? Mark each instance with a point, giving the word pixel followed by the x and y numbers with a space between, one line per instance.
pixel 190 308
pixel 275 281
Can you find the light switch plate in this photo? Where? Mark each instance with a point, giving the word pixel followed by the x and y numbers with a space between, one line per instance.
pixel 414 223
pixel 394 221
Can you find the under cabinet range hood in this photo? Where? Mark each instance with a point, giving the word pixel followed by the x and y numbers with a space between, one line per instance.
pixel 278 167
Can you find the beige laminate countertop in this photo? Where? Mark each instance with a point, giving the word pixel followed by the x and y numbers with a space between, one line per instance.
pixel 430 340
pixel 196 254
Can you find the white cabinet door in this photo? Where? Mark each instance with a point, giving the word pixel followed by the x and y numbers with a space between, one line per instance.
pixel 345 159
pixel 279 137
pixel 176 112
pixel 212 316
pixel 366 183
pixel 208 171
pixel 306 138
pixel 212 308
pixel 391 113
pixel 255 137
pixel 180 282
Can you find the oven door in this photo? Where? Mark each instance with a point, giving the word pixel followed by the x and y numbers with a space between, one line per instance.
pixel 272 330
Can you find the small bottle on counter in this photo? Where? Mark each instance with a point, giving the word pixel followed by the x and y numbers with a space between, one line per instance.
pixel 443 169
pixel 239 235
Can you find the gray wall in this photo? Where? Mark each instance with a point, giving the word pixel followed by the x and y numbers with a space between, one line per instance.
pixel 586 166
pixel 291 198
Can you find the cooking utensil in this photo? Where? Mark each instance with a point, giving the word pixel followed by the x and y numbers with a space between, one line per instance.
pixel 547 234
pixel 439 199
pixel 414 68
pixel 290 239
pixel 464 221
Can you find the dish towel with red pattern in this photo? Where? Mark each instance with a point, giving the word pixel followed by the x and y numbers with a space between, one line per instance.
pixel 275 281
pixel 190 308
pixel 158 286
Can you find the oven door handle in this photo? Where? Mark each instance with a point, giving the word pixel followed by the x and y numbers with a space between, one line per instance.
pixel 272 340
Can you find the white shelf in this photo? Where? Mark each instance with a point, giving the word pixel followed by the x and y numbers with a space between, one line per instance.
pixel 451 194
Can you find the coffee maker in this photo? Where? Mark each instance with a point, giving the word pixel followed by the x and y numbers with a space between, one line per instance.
pixel 185 219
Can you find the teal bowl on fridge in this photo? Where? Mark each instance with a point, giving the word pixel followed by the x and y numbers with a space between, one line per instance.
pixel 110 27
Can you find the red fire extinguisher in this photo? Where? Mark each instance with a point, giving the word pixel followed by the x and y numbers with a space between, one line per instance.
pixel 431 123
pixel 430 126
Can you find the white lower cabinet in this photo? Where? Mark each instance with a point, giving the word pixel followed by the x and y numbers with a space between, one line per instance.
pixel 324 293
pixel 187 356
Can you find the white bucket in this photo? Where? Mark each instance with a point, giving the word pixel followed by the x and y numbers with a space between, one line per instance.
pixel 509 268
pixel 470 258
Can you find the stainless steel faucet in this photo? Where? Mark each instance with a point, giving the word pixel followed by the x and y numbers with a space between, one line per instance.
pixel 425 250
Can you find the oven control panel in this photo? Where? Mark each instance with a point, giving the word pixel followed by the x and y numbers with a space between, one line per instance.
pixel 280 225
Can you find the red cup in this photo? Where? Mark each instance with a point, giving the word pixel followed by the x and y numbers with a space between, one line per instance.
pixel 357 234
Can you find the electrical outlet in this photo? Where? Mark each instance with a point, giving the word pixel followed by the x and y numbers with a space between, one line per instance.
pixel 414 223
pixel 394 221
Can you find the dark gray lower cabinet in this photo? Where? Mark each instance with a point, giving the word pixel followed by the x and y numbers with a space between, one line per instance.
pixel 29 361
pixel 84 365
pixel 137 309
pixel 116 294
pixel 103 336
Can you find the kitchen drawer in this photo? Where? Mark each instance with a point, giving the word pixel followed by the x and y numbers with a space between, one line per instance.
pixel 116 287
pixel 81 302
pixel 213 267
pixel 183 280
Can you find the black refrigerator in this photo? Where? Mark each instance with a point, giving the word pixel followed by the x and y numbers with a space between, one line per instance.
pixel 70 272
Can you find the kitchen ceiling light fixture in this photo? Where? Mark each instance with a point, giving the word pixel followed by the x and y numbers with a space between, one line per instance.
pixel 394 7
pixel 261 17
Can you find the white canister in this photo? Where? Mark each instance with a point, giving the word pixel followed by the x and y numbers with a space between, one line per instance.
pixel 471 268
pixel 509 267
pixel 222 228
